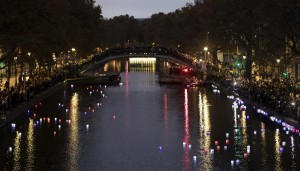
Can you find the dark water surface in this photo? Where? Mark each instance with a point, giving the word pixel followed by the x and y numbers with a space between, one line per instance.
pixel 142 125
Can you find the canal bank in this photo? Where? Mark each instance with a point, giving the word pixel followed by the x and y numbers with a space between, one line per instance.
pixel 16 112
pixel 226 92
pixel 11 115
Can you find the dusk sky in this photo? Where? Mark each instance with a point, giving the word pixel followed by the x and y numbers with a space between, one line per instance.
pixel 139 8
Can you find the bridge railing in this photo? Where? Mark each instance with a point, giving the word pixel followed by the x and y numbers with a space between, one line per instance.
pixel 143 51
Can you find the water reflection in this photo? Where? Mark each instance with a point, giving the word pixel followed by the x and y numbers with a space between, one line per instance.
pixel 264 155
pixel 17 152
pixel 30 146
pixel 186 157
pixel 245 137
pixel 166 109
pixel 73 151
pixel 277 150
pixel 205 128
pixel 293 153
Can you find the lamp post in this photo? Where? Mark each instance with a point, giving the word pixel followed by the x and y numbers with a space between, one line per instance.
pixel 205 50
pixel 16 72
pixel 278 60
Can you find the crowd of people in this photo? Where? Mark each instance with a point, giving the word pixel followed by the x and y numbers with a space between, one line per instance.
pixel 277 95
pixel 13 95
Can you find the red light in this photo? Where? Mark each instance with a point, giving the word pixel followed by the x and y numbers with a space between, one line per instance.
pixel 185 70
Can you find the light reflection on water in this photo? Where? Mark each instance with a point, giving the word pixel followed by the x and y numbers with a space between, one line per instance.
pixel 263 143
pixel 149 116
pixel 74 148
pixel 277 150
pixel 17 152
pixel 204 137
pixel 30 146
pixel 186 157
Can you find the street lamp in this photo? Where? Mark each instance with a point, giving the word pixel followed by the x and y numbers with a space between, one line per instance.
pixel 205 50
pixel 278 60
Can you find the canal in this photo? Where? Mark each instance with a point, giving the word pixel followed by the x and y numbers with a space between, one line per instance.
pixel 142 125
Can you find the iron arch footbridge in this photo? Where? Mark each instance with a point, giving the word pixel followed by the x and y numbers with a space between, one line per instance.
pixel 137 52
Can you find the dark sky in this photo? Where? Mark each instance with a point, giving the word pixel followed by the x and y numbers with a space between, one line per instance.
pixel 139 8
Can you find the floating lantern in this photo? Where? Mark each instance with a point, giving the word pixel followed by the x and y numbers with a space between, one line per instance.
pixel 120 84
pixel 287 132
pixel 227 141
pixel 248 149
pixel 10 149
pixel 190 146
pixel 218 147
pixel 237 161
pixel 67 110
pixel 20 134
pixel 54 133
pixel 247 117
pixel 114 117
pixel 212 151
pixel 227 135
pixel 283 143
pixel 195 158
pixel 216 142
pixel 87 126
pixel 55 119
pixel 160 147
pixel 262 130
pixel 59 126
pixel 254 132
pixel 225 147
pixel 13 125
pixel 72 86
pixel 183 144
pixel 232 162
pixel 281 149
pixel 245 155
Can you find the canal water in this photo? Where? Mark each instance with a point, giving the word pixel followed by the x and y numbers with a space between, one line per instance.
pixel 142 125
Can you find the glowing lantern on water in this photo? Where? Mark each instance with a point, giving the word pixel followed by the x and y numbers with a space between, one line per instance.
pixel 216 142
pixel 232 162
pixel 281 149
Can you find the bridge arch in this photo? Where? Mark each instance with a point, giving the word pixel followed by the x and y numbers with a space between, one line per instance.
pixel 141 52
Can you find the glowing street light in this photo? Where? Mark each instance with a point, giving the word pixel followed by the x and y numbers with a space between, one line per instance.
pixel 205 50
